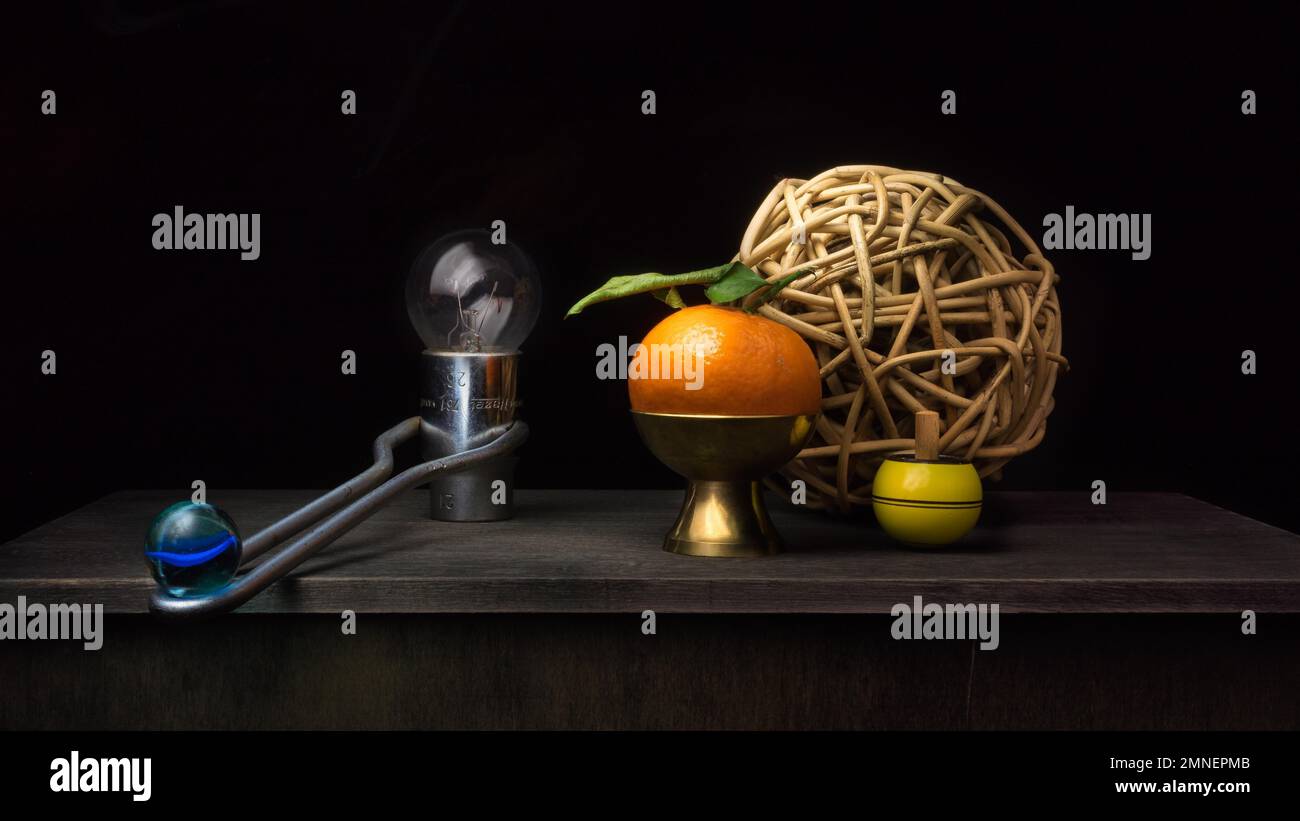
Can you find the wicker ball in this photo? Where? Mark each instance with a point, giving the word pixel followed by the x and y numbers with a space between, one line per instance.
pixel 913 297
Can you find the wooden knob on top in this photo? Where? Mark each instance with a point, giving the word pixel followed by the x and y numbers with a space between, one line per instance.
pixel 927 435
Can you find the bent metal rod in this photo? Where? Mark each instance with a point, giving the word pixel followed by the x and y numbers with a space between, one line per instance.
pixel 343 514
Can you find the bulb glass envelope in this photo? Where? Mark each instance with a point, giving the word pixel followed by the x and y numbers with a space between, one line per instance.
pixel 467 294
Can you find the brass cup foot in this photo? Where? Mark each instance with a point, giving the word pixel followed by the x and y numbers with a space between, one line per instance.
pixel 723 458
pixel 723 519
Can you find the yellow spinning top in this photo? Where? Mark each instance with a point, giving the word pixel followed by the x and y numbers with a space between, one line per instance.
pixel 925 499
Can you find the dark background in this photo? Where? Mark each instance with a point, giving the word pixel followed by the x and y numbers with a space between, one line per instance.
pixel 176 366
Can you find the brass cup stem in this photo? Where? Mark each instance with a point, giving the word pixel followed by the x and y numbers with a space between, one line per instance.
pixel 723 518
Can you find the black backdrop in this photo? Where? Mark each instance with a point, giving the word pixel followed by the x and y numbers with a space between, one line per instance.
pixel 176 366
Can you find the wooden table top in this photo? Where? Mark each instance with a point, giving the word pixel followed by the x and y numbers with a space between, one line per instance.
pixel 598 551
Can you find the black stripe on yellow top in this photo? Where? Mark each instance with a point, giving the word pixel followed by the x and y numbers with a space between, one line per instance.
pixel 924 503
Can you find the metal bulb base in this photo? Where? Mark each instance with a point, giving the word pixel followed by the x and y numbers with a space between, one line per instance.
pixel 466 401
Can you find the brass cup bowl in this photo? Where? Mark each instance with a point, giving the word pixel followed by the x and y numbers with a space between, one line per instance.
pixel 723 459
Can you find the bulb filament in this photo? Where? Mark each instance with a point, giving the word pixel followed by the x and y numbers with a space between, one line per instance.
pixel 471 337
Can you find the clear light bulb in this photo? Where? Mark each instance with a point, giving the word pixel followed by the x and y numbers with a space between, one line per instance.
pixel 469 295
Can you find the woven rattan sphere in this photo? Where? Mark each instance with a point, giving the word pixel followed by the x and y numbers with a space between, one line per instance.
pixel 917 293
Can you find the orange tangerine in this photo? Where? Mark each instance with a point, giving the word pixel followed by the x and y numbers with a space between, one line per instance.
pixel 714 360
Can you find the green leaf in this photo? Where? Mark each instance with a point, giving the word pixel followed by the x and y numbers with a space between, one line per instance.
pixel 737 281
pixel 648 283
pixel 670 297
pixel 775 287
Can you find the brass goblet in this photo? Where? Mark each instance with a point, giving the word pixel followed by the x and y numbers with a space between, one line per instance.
pixel 723 458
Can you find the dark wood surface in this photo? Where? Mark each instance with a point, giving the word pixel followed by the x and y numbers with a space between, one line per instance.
pixel 589 551
pixel 757 672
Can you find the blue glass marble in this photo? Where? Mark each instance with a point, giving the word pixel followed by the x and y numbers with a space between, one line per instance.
pixel 193 549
